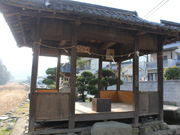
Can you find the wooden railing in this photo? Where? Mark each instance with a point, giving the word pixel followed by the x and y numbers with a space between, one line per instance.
pixel 46 90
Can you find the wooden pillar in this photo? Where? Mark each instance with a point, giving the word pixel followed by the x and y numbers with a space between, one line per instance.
pixel 32 111
pixel 160 77
pixel 58 70
pixel 99 77
pixel 118 75
pixel 73 77
pixel 136 83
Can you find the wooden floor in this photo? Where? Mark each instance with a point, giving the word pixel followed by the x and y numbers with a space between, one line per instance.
pixel 83 108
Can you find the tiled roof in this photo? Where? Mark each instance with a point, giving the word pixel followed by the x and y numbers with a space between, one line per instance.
pixel 172 46
pixel 84 9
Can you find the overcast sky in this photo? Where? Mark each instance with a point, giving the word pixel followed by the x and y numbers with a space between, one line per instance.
pixel 18 60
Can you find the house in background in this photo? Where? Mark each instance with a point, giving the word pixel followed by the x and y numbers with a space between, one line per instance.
pixel 126 68
pixel 171 57
pixel 91 65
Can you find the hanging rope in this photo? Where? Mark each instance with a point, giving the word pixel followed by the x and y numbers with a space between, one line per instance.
pixel 92 53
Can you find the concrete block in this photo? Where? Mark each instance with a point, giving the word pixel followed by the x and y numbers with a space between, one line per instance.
pixel 101 105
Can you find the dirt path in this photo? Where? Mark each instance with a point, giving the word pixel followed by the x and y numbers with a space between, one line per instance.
pixel 19 127
pixel 14 121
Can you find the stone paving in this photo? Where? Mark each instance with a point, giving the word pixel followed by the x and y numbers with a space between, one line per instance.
pixel 8 120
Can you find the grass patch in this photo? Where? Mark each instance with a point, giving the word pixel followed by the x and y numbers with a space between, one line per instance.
pixel 4 131
pixel 12 95
pixel 22 111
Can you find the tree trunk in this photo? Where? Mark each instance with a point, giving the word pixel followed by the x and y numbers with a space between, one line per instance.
pixel 106 87
pixel 83 98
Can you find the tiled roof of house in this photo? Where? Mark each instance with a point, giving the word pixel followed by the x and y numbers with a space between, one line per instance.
pixel 171 46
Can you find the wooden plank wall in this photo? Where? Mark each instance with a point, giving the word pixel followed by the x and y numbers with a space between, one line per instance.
pixel 52 106
pixel 148 102
pixel 118 96
pixel 125 97
pixel 54 29
pixel 105 33
pixel 113 95
pixel 147 42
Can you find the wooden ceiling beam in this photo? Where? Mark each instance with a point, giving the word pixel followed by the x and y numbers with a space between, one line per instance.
pixel 141 33
pixel 21 27
pixel 107 45
pixel 105 37
pixel 9 15
pixel 99 21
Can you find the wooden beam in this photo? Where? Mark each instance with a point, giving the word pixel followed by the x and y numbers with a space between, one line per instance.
pixel 73 76
pixel 55 37
pixel 32 110
pixel 99 77
pixel 104 116
pixel 22 29
pixel 9 15
pixel 58 70
pixel 136 83
pixel 107 45
pixel 141 33
pixel 36 50
pixel 118 75
pixel 61 131
pixel 54 53
pixel 100 36
pixel 160 76
pixel 48 52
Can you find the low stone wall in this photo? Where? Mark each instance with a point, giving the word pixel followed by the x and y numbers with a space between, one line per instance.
pixel 171 89
pixel 116 128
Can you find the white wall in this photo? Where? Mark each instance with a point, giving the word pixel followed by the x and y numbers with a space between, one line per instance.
pixel 168 54
pixel 171 89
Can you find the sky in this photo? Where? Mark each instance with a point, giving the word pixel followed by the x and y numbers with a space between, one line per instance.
pixel 19 60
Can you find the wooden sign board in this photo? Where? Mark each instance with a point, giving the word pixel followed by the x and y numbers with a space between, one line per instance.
pixel 109 54
pixel 83 49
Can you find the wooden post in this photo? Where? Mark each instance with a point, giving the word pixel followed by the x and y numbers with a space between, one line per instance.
pixel 32 110
pixel 160 76
pixel 73 77
pixel 136 83
pixel 99 77
pixel 118 75
pixel 58 71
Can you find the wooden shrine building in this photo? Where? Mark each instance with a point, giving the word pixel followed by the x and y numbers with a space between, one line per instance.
pixel 62 27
